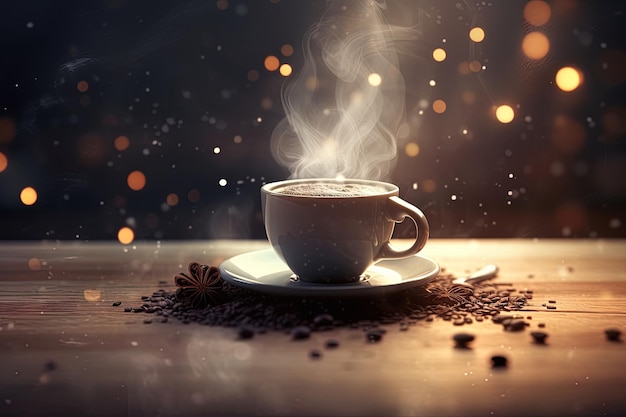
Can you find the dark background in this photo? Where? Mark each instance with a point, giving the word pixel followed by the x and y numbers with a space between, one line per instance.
pixel 174 78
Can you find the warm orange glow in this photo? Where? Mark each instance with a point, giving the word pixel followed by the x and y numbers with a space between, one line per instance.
pixel 568 78
pixel 121 143
pixel 171 199
pixel 285 70
pixel 505 114
pixel 28 196
pixel 439 54
pixel 92 295
pixel 537 12
pixel 125 235
pixel 535 45
pixel 3 162
pixel 34 264
pixel 7 130
pixel 439 106
pixel 271 63
pixel 136 180
pixel 412 149
pixel 286 50
pixel 82 86
pixel 475 66
pixel 477 34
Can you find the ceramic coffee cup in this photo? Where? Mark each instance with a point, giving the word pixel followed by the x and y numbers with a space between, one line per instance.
pixel 330 231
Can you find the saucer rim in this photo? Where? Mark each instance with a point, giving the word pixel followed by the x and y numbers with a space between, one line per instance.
pixel 326 290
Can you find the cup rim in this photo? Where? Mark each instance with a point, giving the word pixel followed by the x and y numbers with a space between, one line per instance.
pixel 269 187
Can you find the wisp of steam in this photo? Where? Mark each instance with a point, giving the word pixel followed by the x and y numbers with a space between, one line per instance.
pixel 346 106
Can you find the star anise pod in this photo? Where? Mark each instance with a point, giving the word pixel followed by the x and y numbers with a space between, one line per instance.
pixel 201 286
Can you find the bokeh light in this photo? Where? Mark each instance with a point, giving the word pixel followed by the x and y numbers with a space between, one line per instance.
pixel 439 54
pixel 271 63
pixel 374 79
pixel 412 149
pixel 121 143
pixel 136 180
pixel 439 106
pixel 477 34
pixel 125 235
pixel 82 86
pixel 285 70
pixel 28 196
pixel 34 264
pixel 253 75
pixel 505 114
pixel 171 199
pixel 286 50
pixel 568 78
pixel 4 162
pixel 535 45
pixel 537 12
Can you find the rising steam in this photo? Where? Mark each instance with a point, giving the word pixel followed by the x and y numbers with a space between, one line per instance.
pixel 345 108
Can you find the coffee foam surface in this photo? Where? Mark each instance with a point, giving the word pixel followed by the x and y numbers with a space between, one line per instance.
pixel 326 189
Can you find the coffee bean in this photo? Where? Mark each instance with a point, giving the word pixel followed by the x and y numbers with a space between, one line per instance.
pixel 539 337
pixel 499 361
pixel 331 343
pixel 116 303
pixel 300 332
pixel 515 325
pixel 315 354
pixel 50 366
pixel 323 320
pixel 461 340
pixel 374 335
pixel 613 334
pixel 128 309
pixel 245 332
pixel 147 321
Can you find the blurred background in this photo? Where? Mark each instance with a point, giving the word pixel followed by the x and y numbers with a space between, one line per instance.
pixel 138 120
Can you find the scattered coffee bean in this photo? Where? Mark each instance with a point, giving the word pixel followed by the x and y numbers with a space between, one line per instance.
pixel 552 301
pixel 551 307
pixel 541 325
pixel 117 303
pixel 323 320
pixel 613 334
pixel 462 340
pixel 539 337
pixel 315 354
pixel 499 361
pixel 128 309
pixel 515 325
pixel 50 366
pixel 374 335
pixel 245 332
pixel 332 343
pixel 300 332
pixel 147 321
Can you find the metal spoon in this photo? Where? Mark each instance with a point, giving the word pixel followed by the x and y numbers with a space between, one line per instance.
pixel 487 272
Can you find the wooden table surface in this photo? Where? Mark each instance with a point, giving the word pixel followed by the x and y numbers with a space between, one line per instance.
pixel 66 351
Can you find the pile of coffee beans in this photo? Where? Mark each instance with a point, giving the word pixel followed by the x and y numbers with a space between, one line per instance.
pixel 253 313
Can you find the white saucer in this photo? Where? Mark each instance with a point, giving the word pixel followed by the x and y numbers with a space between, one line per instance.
pixel 265 272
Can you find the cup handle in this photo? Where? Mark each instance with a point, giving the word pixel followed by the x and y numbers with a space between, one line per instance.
pixel 398 210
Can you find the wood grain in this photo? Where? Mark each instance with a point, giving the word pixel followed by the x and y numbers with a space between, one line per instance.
pixel 65 350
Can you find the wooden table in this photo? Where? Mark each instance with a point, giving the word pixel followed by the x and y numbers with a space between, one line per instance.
pixel 64 350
